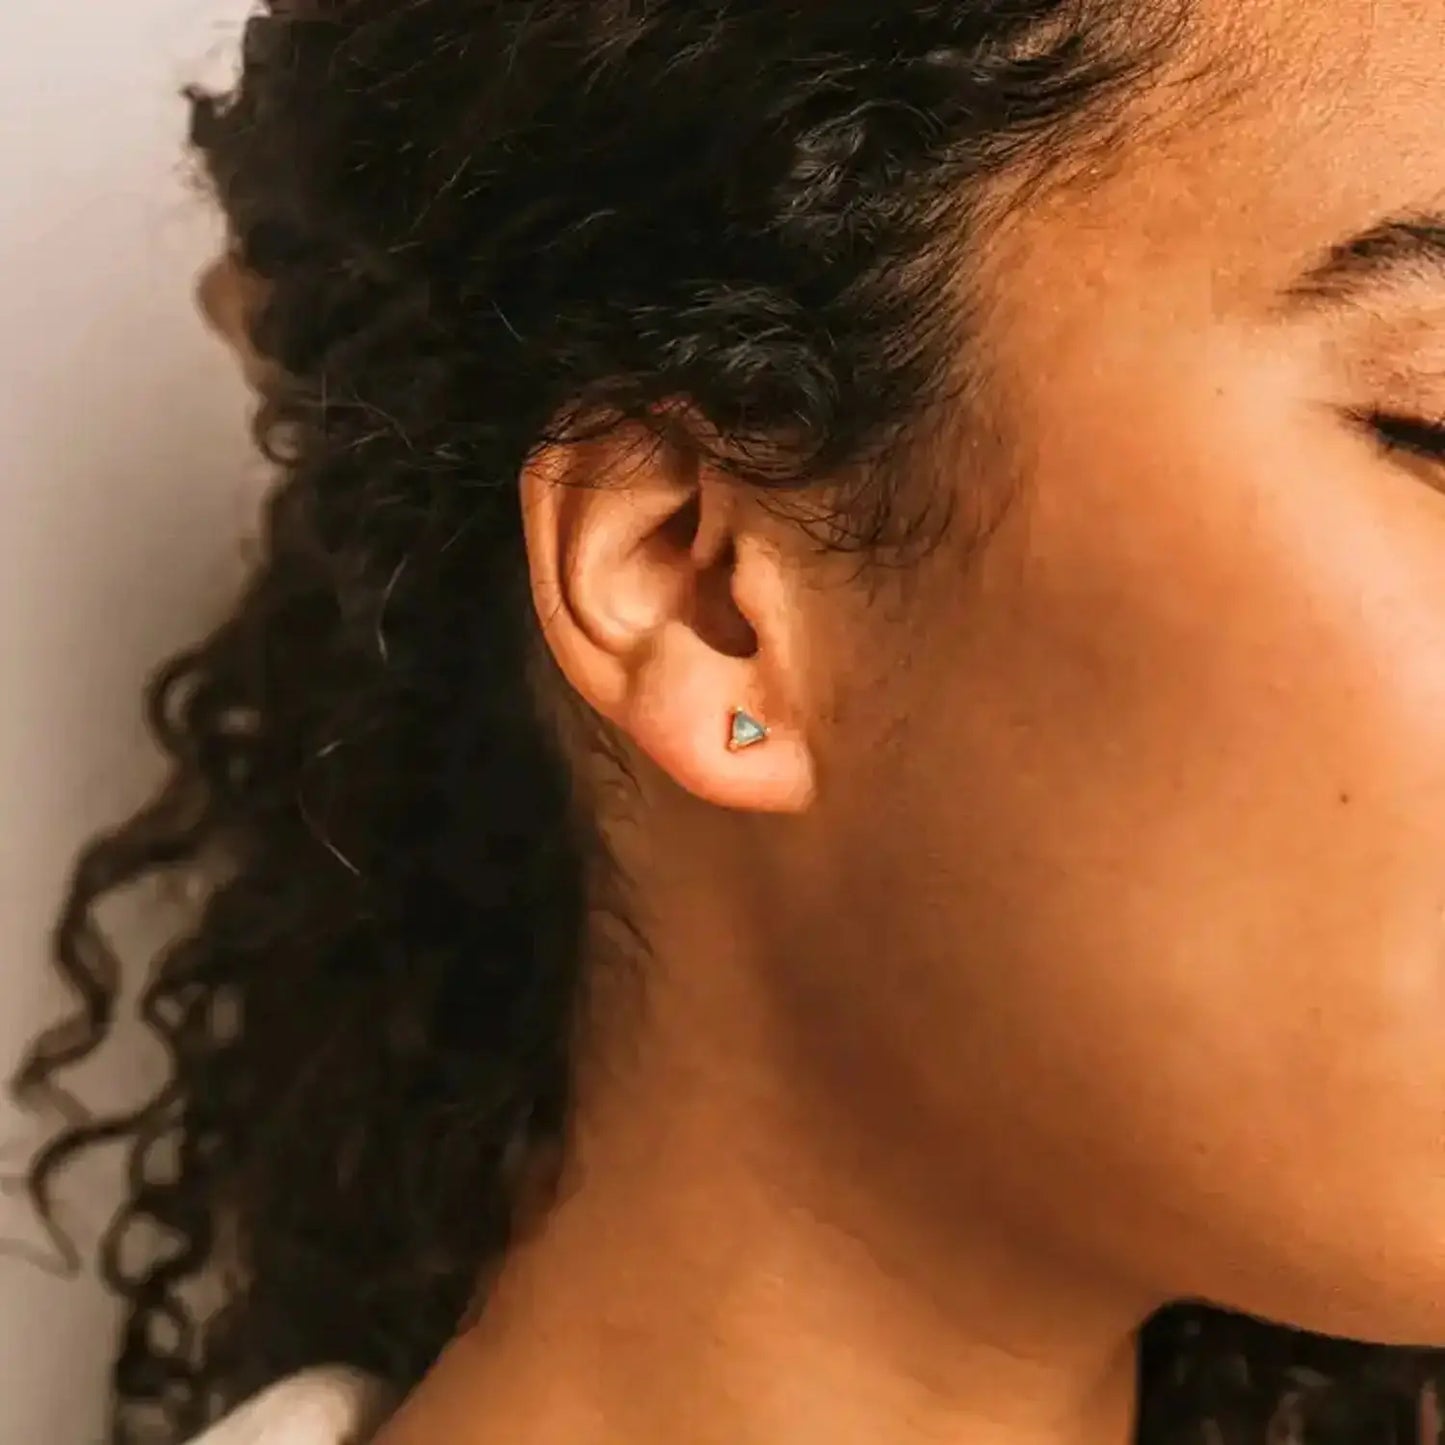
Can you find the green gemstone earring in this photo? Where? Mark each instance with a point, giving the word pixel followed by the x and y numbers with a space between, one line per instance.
pixel 745 731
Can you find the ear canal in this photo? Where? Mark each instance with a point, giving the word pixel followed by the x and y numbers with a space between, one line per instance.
pixel 745 731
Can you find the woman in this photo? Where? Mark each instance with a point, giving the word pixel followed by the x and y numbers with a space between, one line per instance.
pixel 830 790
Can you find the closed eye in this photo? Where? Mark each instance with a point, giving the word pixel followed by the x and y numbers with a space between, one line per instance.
pixel 1414 436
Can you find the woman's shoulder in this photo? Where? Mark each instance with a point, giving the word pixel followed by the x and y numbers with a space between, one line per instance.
pixel 335 1406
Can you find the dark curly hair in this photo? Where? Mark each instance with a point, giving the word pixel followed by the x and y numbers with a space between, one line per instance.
pixel 481 224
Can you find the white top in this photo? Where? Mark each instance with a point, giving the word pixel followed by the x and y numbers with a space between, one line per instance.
pixel 320 1407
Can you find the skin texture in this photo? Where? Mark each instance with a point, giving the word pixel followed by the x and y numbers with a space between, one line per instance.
pixel 1137 807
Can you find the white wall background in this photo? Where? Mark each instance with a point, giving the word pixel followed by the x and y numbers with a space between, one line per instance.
pixel 124 479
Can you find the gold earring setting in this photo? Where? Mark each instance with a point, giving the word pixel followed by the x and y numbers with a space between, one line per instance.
pixel 745 731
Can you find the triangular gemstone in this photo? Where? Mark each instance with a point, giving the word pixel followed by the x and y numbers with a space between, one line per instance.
pixel 746 731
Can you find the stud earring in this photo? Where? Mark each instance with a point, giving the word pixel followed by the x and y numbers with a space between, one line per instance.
pixel 745 731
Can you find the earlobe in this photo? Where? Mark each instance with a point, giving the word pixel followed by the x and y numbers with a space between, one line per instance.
pixel 653 600
pixel 742 757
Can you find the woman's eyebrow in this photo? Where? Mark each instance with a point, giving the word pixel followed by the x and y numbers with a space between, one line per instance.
pixel 1407 248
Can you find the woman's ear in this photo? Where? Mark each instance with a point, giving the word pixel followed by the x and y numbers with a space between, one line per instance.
pixel 672 614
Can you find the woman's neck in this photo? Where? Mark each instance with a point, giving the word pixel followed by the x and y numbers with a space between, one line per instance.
pixel 729 1266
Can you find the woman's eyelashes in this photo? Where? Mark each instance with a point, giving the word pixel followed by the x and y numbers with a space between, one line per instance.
pixel 1412 435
